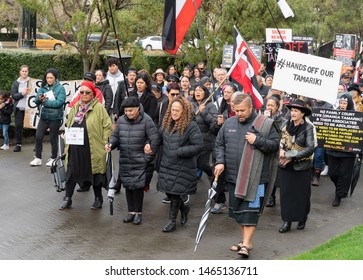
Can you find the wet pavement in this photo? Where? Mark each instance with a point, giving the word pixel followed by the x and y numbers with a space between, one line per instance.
pixel 32 227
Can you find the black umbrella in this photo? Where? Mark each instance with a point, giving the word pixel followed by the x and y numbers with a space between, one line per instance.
pixel 207 208
pixel 355 173
pixel 110 181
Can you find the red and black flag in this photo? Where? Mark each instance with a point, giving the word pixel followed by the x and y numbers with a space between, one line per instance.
pixel 245 69
pixel 178 16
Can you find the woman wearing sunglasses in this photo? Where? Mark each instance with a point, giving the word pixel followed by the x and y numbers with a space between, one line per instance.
pixel 85 160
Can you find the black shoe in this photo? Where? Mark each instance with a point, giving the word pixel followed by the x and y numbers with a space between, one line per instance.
pixel 271 202
pixel 97 204
pixel 137 219
pixel 300 225
pixel 336 201
pixel 17 148
pixel 166 200
pixel 66 204
pixel 170 226
pixel 285 227
pixel 83 189
pixel 129 218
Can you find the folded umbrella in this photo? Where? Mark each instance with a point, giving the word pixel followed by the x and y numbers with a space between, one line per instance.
pixel 110 181
pixel 207 208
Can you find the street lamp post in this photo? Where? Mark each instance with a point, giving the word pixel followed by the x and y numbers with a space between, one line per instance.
pixel 28 34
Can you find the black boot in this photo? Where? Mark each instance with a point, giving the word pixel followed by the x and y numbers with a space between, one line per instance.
pixel 301 224
pixel 97 204
pixel 184 210
pixel 316 177
pixel 285 227
pixel 336 201
pixel 173 213
pixel 66 204
pixel 271 202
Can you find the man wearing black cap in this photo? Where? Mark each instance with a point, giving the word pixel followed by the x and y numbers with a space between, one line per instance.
pixel 345 80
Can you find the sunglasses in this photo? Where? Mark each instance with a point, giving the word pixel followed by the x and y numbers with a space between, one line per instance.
pixel 85 92
pixel 174 94
pixel 171 81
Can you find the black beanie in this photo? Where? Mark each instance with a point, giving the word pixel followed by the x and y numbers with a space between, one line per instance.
pixel 130 102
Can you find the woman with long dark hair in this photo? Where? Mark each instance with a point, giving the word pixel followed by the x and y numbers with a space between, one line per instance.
pixel 182 142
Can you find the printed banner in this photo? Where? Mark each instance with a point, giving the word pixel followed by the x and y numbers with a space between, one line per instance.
pixel 307 75
pixel 272 50
pixel 338 130
pixel 273 35
pixel 32 112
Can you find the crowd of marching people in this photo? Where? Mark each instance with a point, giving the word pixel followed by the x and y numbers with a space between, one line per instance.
pixel 178 126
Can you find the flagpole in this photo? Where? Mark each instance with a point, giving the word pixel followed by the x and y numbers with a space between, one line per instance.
pixel 202 38
pixel 273 19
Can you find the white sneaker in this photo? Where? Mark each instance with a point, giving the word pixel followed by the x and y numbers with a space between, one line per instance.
pixel 36 162
pixel 325 171
pixel 49 162
pixel 4 147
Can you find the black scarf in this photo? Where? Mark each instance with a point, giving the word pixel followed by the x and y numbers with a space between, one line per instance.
pixel 295 129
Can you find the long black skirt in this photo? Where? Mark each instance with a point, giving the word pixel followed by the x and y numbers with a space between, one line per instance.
pixel 295 191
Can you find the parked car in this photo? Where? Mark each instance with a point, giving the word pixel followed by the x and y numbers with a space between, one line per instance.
pixel 151 43
pixel 96 37
pixel 47 42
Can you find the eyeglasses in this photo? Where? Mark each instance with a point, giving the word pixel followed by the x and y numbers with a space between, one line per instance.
pixel 85 92
pixel 174 94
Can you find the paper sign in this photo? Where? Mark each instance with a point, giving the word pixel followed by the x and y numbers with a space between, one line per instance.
pixel 307 75
pixel 74 135
pixel 49 95
pixel 274 35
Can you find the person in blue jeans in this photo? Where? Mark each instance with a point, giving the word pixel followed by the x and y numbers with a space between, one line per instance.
pixel 6 108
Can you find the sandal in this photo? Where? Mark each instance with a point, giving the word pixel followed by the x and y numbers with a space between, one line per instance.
pixel 237 247
pixel 244 252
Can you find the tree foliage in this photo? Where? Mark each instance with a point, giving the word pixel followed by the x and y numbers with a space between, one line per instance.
pixel 210 31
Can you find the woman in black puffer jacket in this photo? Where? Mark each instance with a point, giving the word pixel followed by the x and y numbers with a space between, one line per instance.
pixel 206 117
pixel 134 131
pixel 182 142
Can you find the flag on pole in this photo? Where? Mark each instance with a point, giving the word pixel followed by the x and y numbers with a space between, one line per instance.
pixel 285 8
pixel 245 69
pixel 178 16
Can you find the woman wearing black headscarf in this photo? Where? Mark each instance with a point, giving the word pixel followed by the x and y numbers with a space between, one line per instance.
pixel 296 158
pixel 341 163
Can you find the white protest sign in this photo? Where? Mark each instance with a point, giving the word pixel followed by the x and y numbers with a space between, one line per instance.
pixel 307 75
pixel 274 35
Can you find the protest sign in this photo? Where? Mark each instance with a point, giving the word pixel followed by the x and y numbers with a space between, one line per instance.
pixel 32 111
pixel 338 130
pixel 272 50
pixel 273 35
pixel 307 75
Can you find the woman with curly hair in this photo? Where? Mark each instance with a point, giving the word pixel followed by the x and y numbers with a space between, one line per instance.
pixel 182 142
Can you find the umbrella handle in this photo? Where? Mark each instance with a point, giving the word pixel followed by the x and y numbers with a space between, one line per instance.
pixel 216 178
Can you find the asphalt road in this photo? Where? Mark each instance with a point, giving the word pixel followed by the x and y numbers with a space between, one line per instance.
pixel 32 227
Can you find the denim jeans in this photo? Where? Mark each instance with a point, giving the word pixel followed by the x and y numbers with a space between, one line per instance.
pixel 319 158
pixel 5 128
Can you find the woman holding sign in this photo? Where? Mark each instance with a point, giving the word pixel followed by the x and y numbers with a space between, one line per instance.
pixel 341 163
pixel 296 160
pixel 50 98
pixel 90 125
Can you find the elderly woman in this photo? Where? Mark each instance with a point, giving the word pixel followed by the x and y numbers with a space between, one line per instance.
pixel 182 142
pixel 296 161
pixel 134 132
pixel 86 164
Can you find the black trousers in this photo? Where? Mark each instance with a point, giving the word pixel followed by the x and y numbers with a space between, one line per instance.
pixel 135 199
pixel 203 162
pixel 71 184
pixel 53 137
pixel 340 172
pixel 19 124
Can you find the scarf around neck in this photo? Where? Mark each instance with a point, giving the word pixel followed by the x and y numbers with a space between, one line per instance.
pixel 295 129
pixel 82 111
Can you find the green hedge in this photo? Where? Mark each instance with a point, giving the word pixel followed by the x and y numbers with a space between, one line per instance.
pixel 70 66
